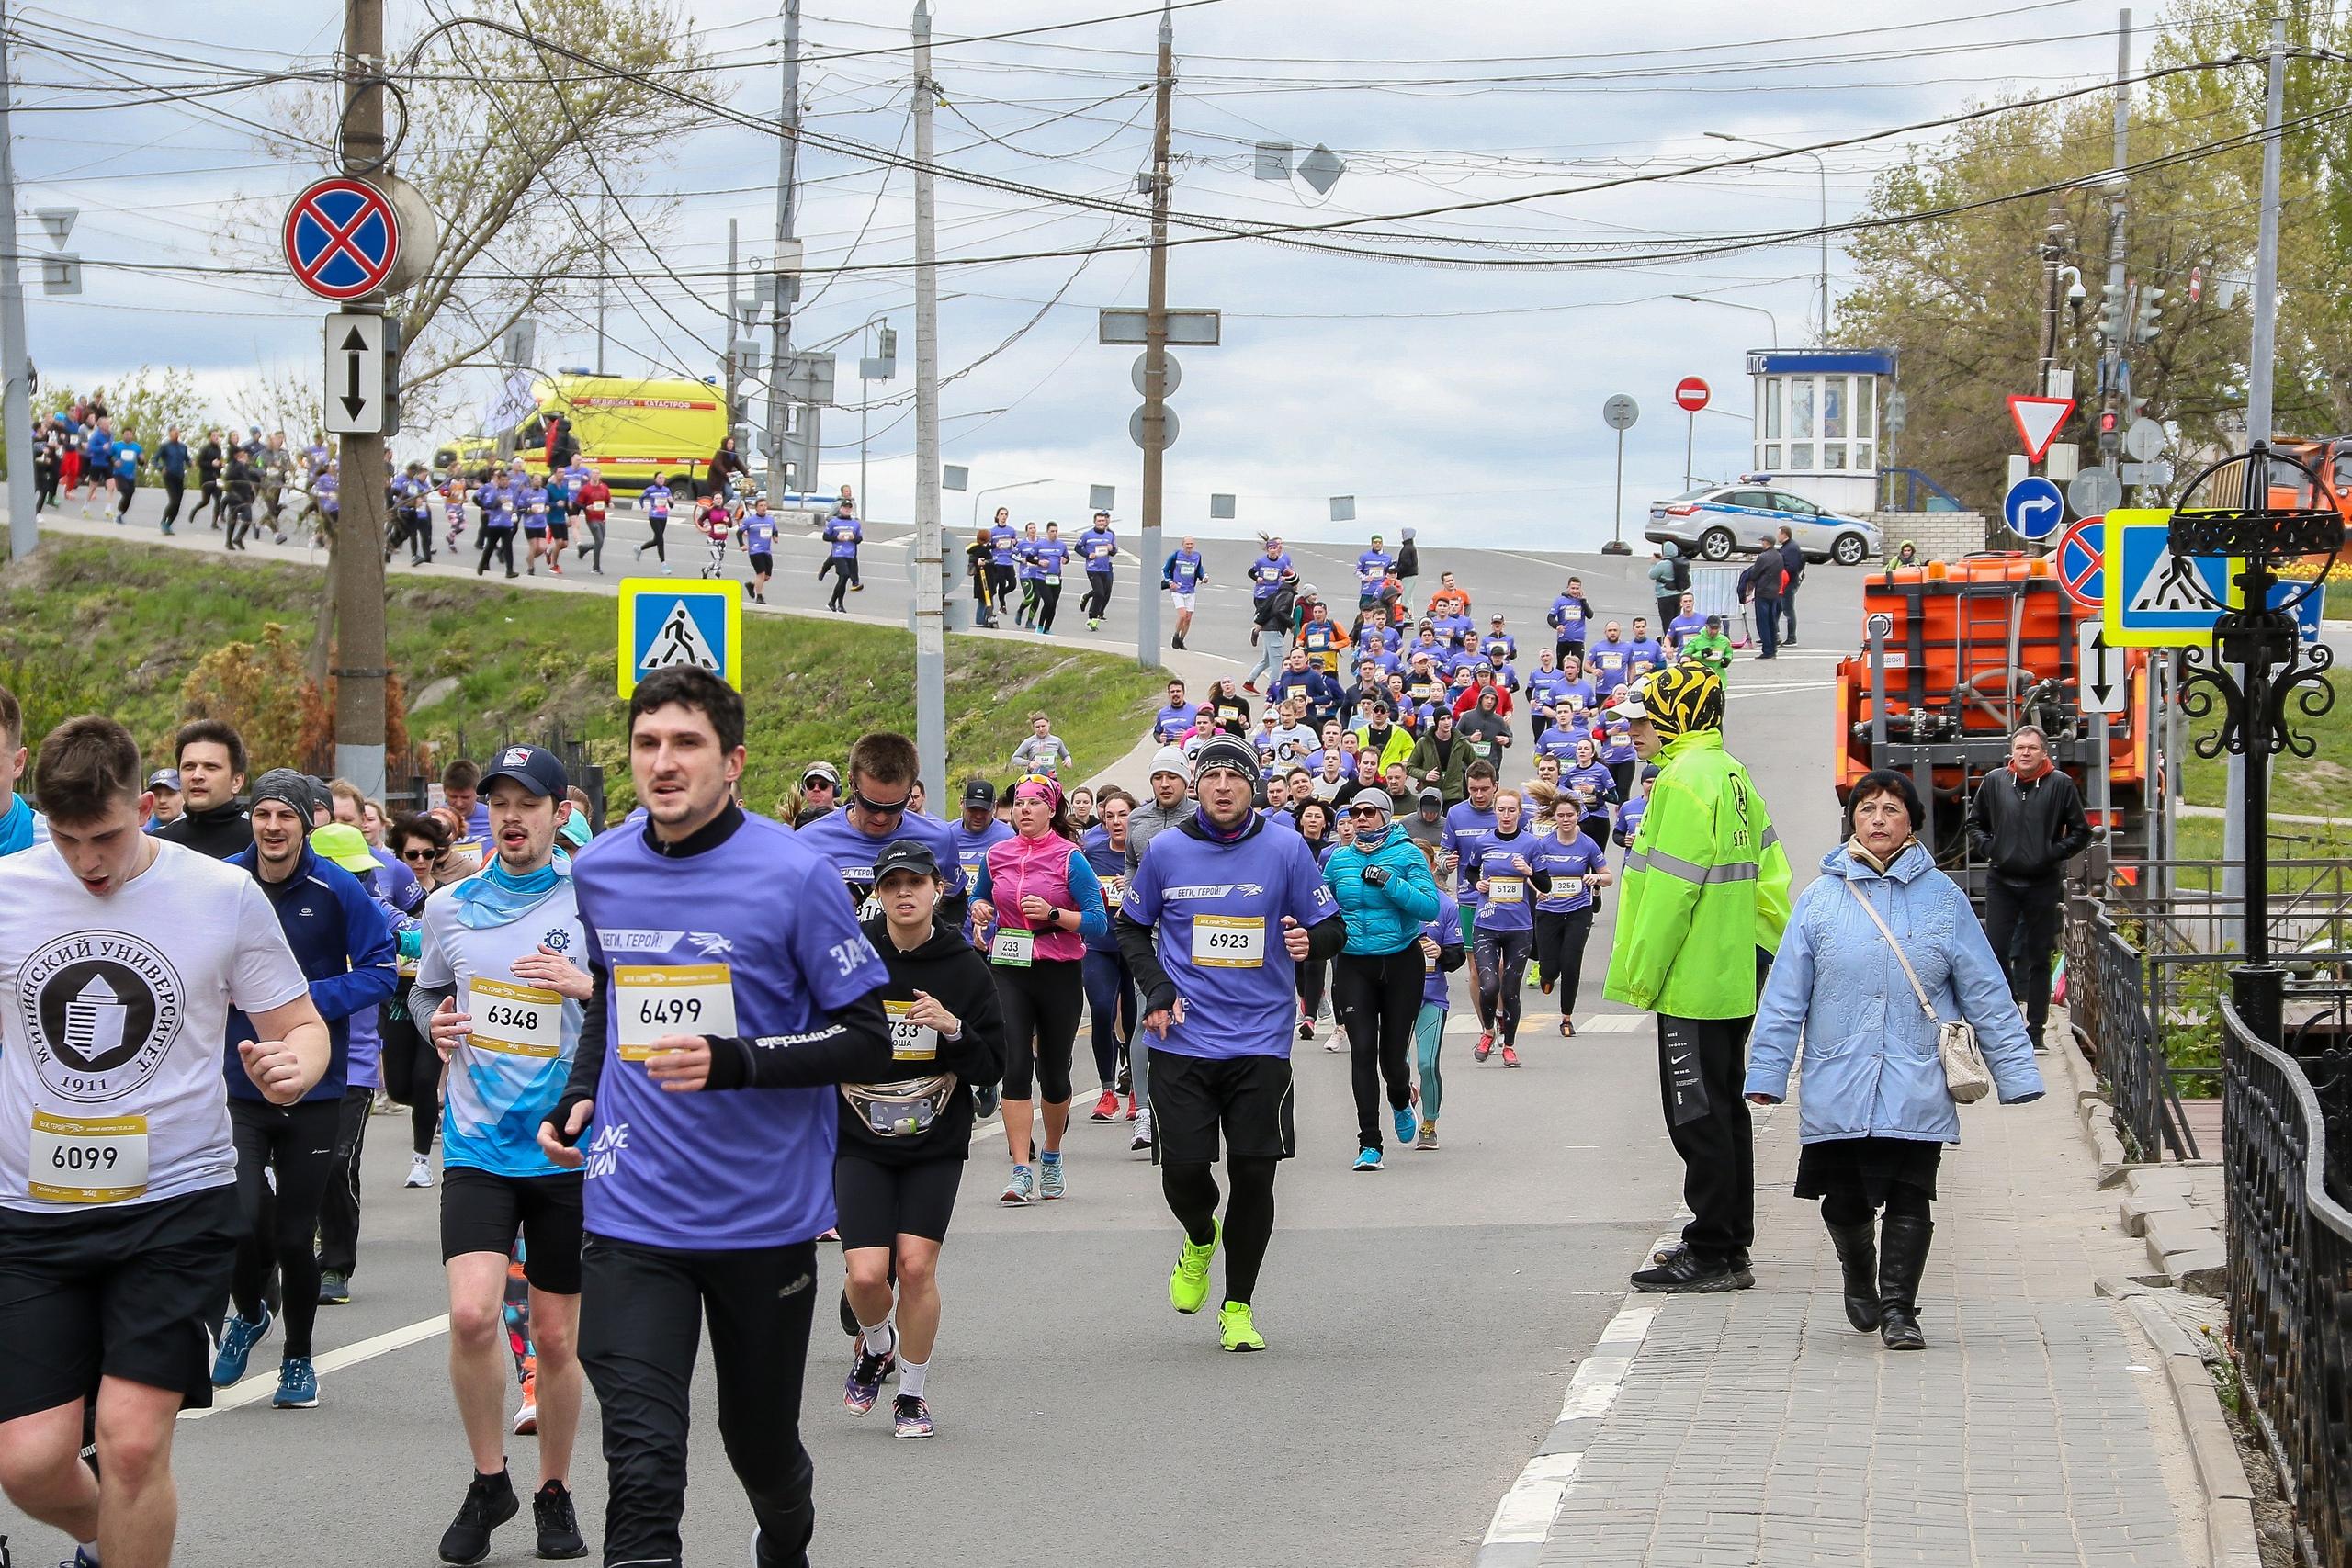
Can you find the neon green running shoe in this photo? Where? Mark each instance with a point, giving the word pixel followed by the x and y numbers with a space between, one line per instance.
pixel 1188 1287
pixel 1239 1330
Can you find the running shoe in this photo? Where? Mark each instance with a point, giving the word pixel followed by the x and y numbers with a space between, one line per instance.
pixel 1367 1159
pixel 1485 1048
pixel 1685 1271
pixel 298 1384
pixel 558 1522
pixel 1132 1107
pixel 1023 1187
pixel 489 1502
pixel 911 1417
pixel 1142 1140
pixel 527 1420
pixel 1510 1057
pixel 1307 1029
pixel 420 1171
pixel 1238 1328
pixel 1049 1179
pixel 1107 1108
pixel 1407 1128
pixel 1188 1287
pixel 863 1385
pixel 237 1342
pixel 1428 1139
pixel 985 1101
pixel 335 1288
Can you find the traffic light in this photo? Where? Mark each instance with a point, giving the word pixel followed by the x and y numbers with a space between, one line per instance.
pixel 2111 434
pixel 2110 315
pixel 2147 325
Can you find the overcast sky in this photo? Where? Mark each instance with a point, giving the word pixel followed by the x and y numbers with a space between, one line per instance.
pixel 1464 401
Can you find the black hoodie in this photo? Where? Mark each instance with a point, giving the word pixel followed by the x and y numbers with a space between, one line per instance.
pixel 219 833
pixel 947 969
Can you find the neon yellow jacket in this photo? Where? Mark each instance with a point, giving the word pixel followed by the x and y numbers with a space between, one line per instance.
pixel 1705 887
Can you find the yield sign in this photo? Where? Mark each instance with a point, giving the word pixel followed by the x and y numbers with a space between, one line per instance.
pixel 2082 563
pixel 342 238
pixel 2038 420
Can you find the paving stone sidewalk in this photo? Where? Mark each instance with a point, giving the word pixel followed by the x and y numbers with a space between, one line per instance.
pixel 1759 1429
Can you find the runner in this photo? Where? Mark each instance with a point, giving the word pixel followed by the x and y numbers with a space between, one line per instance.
pixel 904 1144
pixel 1505 931
pixel 1110 983
pixel 1441 955
pixel 286 1153
pixel 1032 574
pixel 882 769
pixel 1042 751
pixel 1594 786
pixel 654 501
pixel 1042 899
pixel 1578 864
pixel 497 498
pixel 711 1165
pixel 1182 575
pixel 538 502
pixel 212 760
pixel 716 518
pixel 1468 825
pixel 595 500
pixel 1099 548
pixel 1381 883
pixel 117 1216
pixel 500 982
pixel 412 1069
pixel 843 536
pixel 21 827
pixel 1215 922
pixel 757 532
pixel 1003 542
pixel 1052 554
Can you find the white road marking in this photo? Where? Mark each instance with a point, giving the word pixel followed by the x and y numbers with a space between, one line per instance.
pixel 261 1385
pixel 1525 1515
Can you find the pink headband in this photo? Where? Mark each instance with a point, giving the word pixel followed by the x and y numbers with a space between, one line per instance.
pixel 1043 789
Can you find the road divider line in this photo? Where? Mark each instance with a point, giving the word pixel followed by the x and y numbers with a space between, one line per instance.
pixel 261 1385
pixel 1522 1520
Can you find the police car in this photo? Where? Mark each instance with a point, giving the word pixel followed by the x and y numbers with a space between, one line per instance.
pixel 1716 522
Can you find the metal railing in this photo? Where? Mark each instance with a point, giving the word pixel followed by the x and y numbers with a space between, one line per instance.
pixel 2291 1269
pixel 2107 984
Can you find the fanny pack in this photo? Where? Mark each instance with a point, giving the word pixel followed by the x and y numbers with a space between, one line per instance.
pixel 903 1108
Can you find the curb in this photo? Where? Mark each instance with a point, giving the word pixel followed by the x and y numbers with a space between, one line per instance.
pixel 2092 1111
pixel 2221 1475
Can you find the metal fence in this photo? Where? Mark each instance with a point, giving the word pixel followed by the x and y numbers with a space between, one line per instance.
pixel 2290 1270
pixel 2107 998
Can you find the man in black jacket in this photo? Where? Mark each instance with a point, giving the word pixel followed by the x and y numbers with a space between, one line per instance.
pixel 1760 585
pixel 2026 823
pixel 211 758
pixel 1792 562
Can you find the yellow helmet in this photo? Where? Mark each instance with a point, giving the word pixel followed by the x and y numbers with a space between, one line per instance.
pixel 1677 700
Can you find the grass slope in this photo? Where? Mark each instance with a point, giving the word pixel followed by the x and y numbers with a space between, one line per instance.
pixel 2317 785
pixel 128 620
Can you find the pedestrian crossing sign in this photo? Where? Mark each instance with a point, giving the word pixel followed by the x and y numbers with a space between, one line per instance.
pixel 2154 598
pixel 667 625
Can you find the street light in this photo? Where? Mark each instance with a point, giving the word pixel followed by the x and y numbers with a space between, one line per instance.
pixel 1824 169
pixel 1736 305
pixel 993 490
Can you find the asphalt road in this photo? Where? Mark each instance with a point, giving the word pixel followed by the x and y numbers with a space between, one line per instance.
pixel 1423 1321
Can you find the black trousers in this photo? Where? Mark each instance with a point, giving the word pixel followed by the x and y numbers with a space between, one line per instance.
pixel 1377 999
pixel 1002 581
pixel 1097 594
pixel 1788 613
pixel 641 1311
pixel 174 488
pixel 1559 951
pixel 207 494
pixel 296 1142
pixel 1701 1069
pixel 497 542
pixel 1049 599
pixel 411 1070
pixel 2022 924
pixel 339 1215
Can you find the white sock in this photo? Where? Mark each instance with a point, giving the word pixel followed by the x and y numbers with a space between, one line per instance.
pixel 881 1338
pixel 910 1376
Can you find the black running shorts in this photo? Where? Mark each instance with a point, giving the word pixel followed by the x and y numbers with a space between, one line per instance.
pixel 1246 1098
pixel 876 1203
pixel 128 1290
pixel 483 1212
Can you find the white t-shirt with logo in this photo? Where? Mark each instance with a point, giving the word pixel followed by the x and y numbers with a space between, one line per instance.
pixel 114 1012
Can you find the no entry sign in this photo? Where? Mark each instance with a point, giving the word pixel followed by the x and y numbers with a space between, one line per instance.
pixel 342 238
pixel 1690 394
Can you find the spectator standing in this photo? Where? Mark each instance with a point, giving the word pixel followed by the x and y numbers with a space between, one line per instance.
pixel 1760 585
pixel 1792 562
pixel 2026 823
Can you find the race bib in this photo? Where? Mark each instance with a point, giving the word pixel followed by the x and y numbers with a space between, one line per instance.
pixel 1053 579
pixel 87 1159
pixel 515 1021
pixel 1507 890
pixel 910 1041
pixel 1229 941
pixel 1566 886
pixel 656 1000
pixel 1012 948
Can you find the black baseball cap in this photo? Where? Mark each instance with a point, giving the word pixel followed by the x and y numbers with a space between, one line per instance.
pixel 534 769
pixel 978 792
pixel 907 855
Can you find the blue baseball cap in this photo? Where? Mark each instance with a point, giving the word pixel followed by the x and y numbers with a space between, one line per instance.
pixel 534 769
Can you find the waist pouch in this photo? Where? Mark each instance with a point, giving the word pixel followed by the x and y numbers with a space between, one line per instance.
pixel 903 1108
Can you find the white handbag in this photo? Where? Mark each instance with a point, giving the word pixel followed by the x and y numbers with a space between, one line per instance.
pixel 1965 1074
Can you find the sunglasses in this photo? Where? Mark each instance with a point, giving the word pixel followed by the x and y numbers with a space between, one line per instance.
pixel 882 809
pixel 815 782
pixel 417 854
pixel 1365 811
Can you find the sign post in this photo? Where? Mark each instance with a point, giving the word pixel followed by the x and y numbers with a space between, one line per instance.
pixel 1619 415
pixel 1690 395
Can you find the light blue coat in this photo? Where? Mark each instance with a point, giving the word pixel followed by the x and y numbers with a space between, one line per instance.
pixel 1870 1069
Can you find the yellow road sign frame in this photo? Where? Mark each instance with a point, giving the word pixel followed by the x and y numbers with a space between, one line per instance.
pixel 727 593
pixel 2119 521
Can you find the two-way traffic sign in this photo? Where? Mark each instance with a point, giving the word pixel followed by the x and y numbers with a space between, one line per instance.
pixel 2154 598
pixel 2099 669
pixel 363 373
pixel 667 626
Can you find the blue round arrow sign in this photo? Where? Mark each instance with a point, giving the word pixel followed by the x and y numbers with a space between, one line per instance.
pixel 2033 508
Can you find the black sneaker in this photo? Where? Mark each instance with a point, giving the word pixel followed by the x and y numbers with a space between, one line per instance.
pixel 1692 1272
pixel 489 1502
pixel 559 1525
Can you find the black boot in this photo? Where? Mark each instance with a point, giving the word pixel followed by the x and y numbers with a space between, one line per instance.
pixel 1903 1257
pixel 1858 1256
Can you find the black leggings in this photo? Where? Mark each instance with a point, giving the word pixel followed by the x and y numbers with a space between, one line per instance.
pixel 174 491
pixel 1041 1004
pixel 297 1141
pixel 207 494
pixel 1851 1206
pixel 1049 598
pixel 1002 581
pixel 1501 960
pixel 1313 974
pixel 499 542
pixel 411 1070
pixel 1097 594
pixel 1191 1190
pixel 1378 996
pixel 659 544
pixel 1559 951
pixel 839 569
pixel 1111 1003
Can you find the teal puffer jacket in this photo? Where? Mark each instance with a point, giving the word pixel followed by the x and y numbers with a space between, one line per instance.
pixel 1388 918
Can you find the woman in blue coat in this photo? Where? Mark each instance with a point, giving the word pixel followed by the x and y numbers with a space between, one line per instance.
pixel 1875 1112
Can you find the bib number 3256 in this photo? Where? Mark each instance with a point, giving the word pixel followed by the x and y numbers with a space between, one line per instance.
pixel 657 999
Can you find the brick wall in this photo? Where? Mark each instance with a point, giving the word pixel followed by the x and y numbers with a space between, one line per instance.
pixel 1941 535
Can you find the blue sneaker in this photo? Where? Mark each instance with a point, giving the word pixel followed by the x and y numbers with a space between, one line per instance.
pixel 237 1342
pixel 1406 1126
pixel 1050 1184
pixel 1367 1159
pixel 298 1384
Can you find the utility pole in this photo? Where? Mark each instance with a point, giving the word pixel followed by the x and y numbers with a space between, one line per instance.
pixel 1155 374
pixel 604 266
pixel 2117 318
pixel 2052 247
pixel 726 354
pixel 931 624
pixel 16 354
pixel 2260 363
pixel 358 564
pixel 780 323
